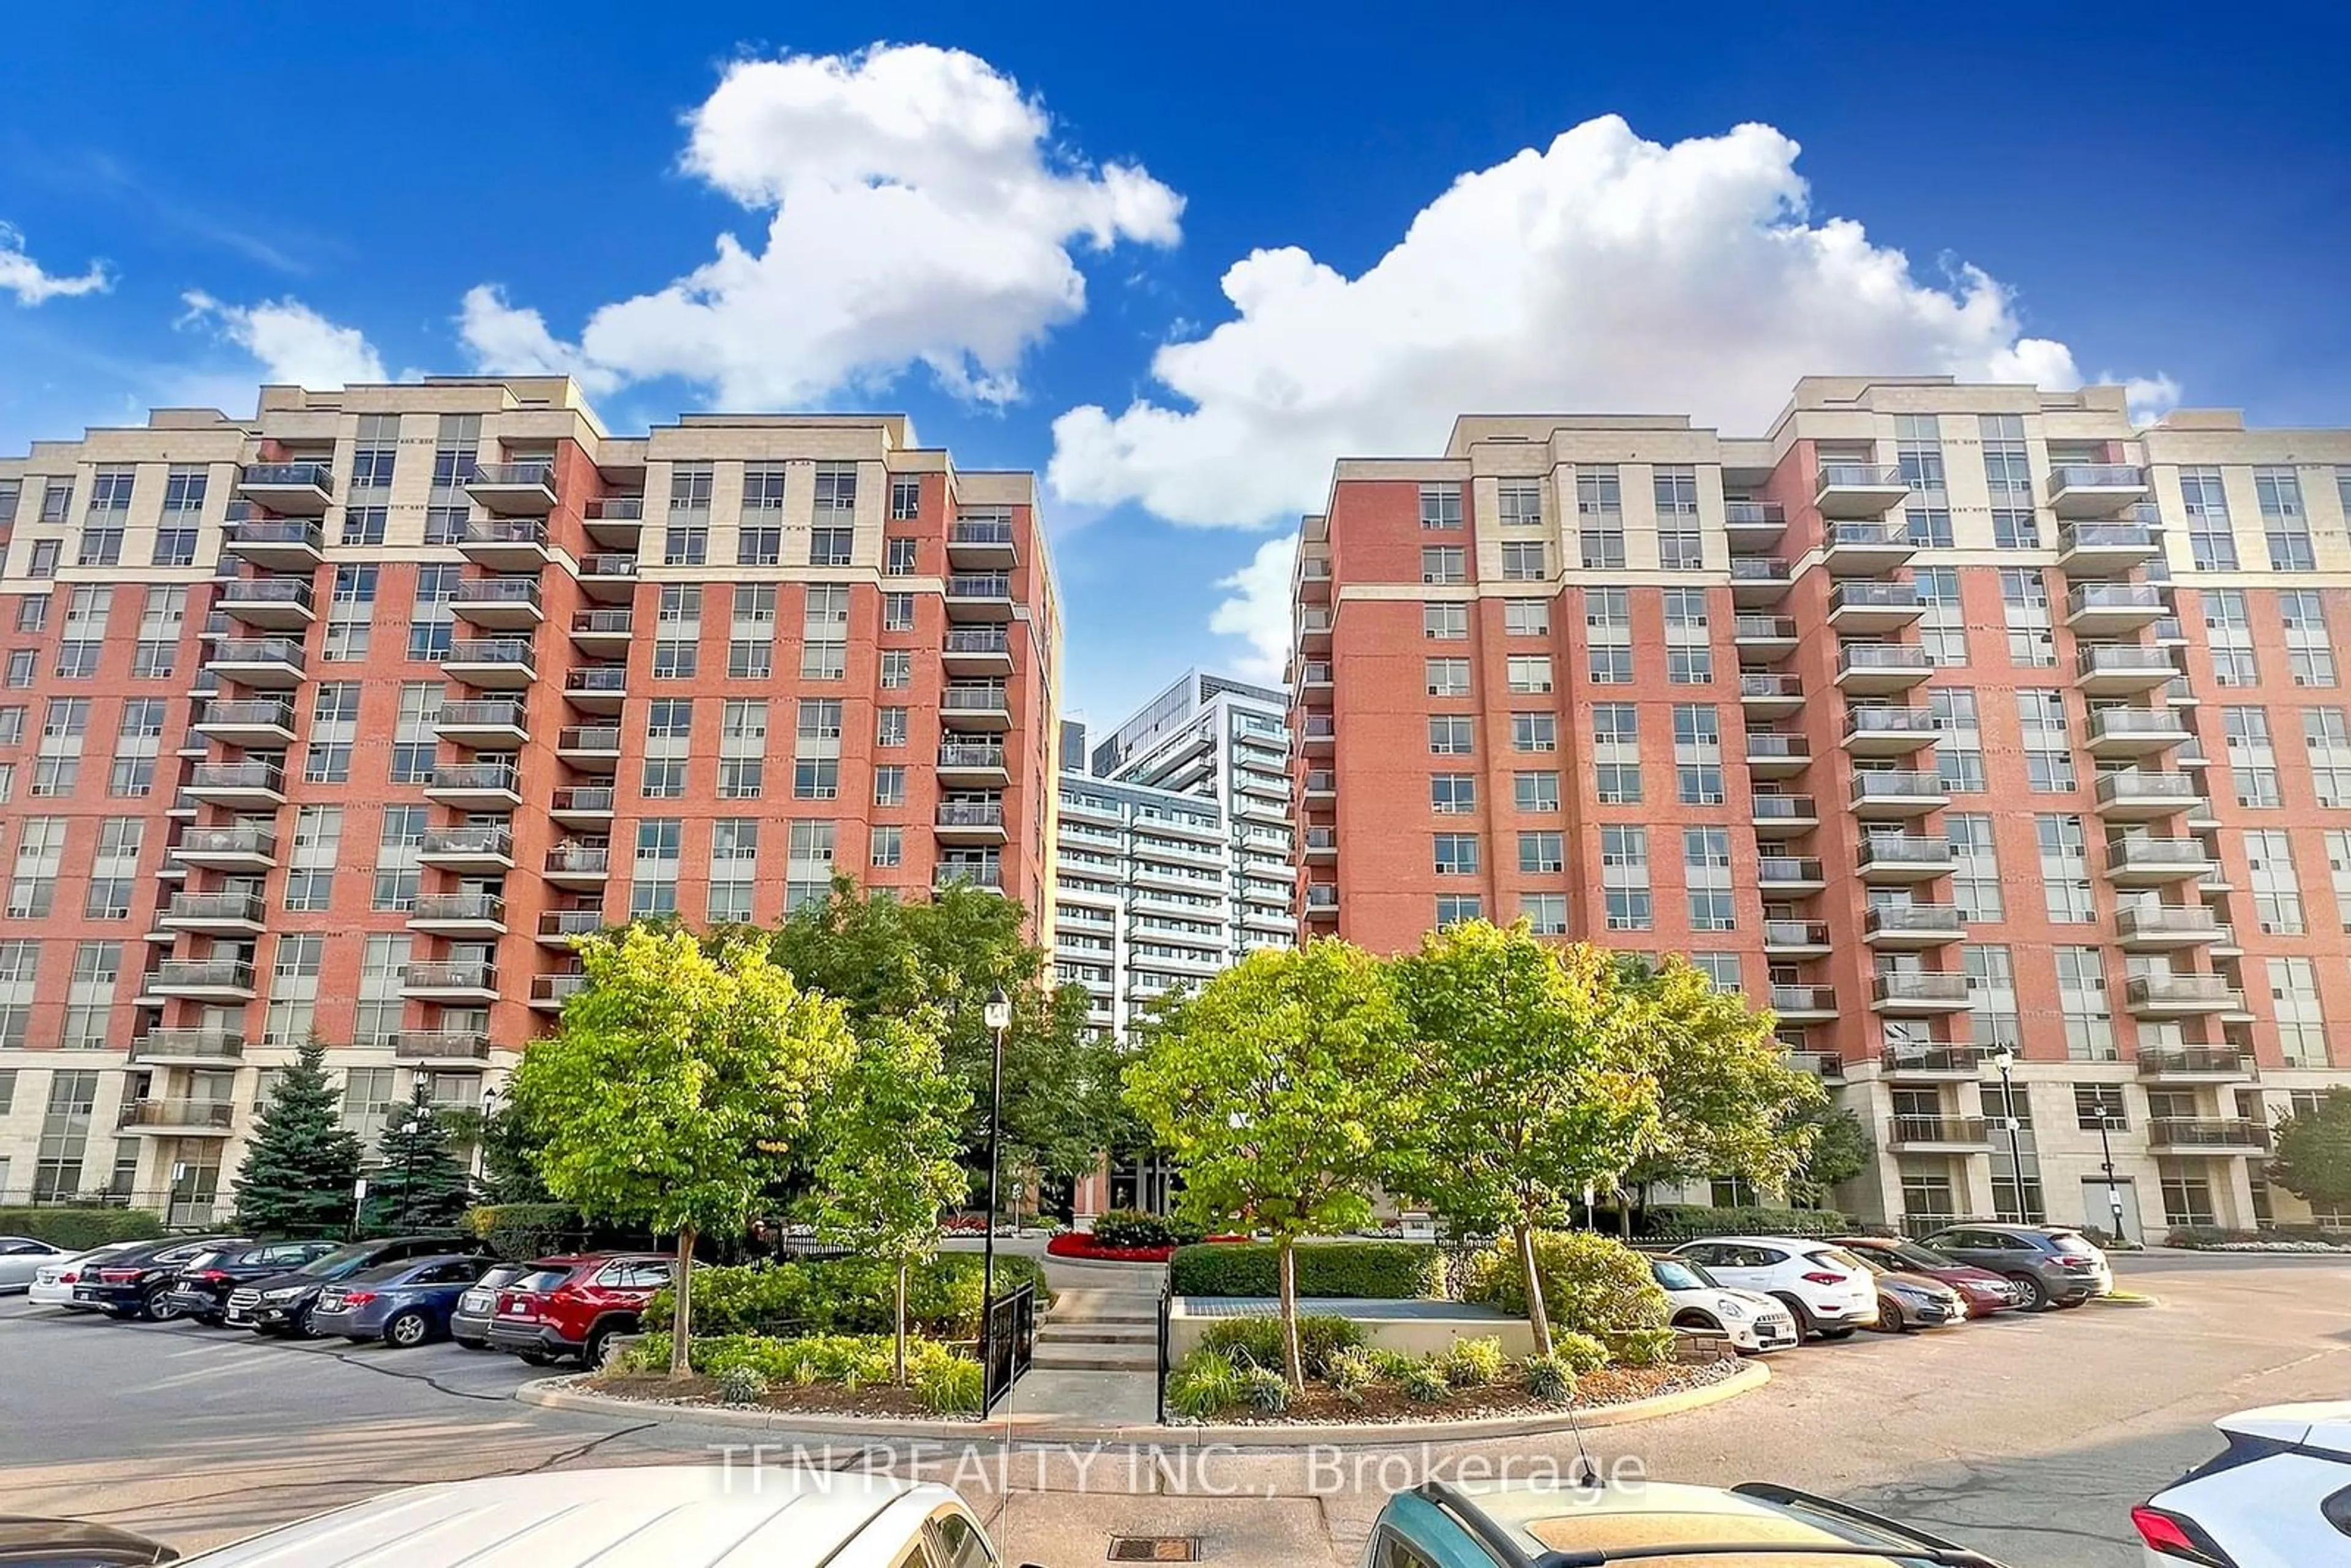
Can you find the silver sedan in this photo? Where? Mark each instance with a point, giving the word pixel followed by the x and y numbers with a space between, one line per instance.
pixel 21 1258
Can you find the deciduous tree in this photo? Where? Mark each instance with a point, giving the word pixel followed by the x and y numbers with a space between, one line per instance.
pixel 2314 1152
pixel 1837 1149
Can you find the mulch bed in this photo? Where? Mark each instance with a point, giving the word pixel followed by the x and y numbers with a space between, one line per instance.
pixel 1611 1385
pixel 816 1400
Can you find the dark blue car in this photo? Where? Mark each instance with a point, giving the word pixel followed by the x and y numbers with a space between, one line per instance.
pixel 403 1304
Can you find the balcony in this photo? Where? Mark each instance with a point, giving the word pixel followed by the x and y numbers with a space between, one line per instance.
pixel 2105 549
pixel 473 850
pixel 1865 549
pixel 1884 797
pixel 183 805
pixel 491 721
pixel 2165 927
pixel 970 822
pixel 248 786
pixel 524 489
pixel 228 848
pixel 981 651
pixel 1796 938
pixel 1311 580
pixel 2199 1064
pixel 1321 785
pixel 980 596
pixel 1758 581
pixel 1929 1063
pixel 225 914
pixel 550 992
pixel 986 876
pixel 2121 669
pixel 980 543
pixel 439 1047
pixel 609 577
pixel 1917 993
pixel 1871 608
pixel 603 632
pixel 2208 1135
pixel 267 664
pixel 505 544
pixel 1889 731
pixel 1881 669
pixel 1789 875
pixel 615 519
pixel 2180 996
pixel 192 1047
pixel 1770 696
pixel 1809 1004
pixel 964 764
pixel 264 722
pixel 459 915
pixel 1771 755
pixel 2139 862
pixel 586 806
pixel 1859 489
pixel 1939 1135
pixel 464 981
pixel 591 746
pixel 1322 900
pixel 177 1118
pixel 479 786
pixel 2134 731
pixel 1897 858
pixel 584 866
pixel 1766 637
pixel 556 928
pixel 1825 1065
pixel 279 603
pixel 501 603
pixel 492 663
pixel 2112 608
pixel 975 707
pixel 292 489
pixel 2096 489
pixel 1753 524
pixel 1912 927
pixel 597 688
pixel 1318 734
pixel 2134 796
pixel 1314 629
pixel 205 980
pixel 1783 813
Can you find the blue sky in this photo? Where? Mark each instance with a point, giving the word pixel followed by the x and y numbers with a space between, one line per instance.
pixel 1004 214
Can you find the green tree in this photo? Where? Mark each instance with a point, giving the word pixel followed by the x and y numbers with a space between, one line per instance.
pixel 677 1088
pixel 1534 1087
pixel 510 1146
pixel 417 1182
pixel 1284 1089
pixel 885 1134
pixel 1837 1150
pixel 300 1168
pixel 2314 1152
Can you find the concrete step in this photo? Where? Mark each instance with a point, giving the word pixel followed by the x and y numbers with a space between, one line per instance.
pixel 1050 1357
pixel 1097 1334
pixel 1058 1316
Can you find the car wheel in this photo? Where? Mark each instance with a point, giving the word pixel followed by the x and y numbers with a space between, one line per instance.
pixel 1805 1327
pixel 407 1330
pixel 592 1355
pixel 1889 1316
pixel 2036 1294
pixel 2071 1302
pixel 535 1358
pixel 159 1308
pixel 464 1343
pixel 1699 1320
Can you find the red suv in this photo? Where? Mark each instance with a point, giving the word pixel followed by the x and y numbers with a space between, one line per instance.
pixel 574 1304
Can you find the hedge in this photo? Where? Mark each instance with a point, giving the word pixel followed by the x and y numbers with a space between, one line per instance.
pixel 1385 1270
pixel 846 1296
pixel 1122 1228
pixel 1688 1221
pixel 1591 1284
pixel 80 1229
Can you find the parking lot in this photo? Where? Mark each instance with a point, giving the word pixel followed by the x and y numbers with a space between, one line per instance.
pixel 2028 1439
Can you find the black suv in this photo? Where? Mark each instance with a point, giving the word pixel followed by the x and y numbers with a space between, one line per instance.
pixel 137 1281
pixel 200 1290
pixel 281 1303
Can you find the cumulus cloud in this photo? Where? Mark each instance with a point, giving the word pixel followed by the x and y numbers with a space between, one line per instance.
pixel 507 341
pixel 919 212
pixel 1604 272
pixel 23 276
pixel 2151 397
pixel 295 345
pixel 1258 609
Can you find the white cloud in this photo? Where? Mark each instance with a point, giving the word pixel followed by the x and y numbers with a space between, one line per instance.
pixel 21 275
pixel 507 341
pixel 1259 608
pixel 920 213
pixel 2151 397
pixel 1602 273
pixel 294 344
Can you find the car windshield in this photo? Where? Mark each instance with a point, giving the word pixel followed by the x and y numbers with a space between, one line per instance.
pixel 334 1264
pixel 1679 1274
pixel 1917 1257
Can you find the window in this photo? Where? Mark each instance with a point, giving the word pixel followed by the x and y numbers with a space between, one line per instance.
pixel 114 872
pixel 733 869
pixel 1525 617
pixel 430 619
pixel 1679 547
pixel 1444 564
pixel 20 668
pixel 836 492
pixel 653 886
pixel 1518 503
pixel 1625 877
pixel 2310 657
pixel 1975 875
pixel 2097 1105
pixel 824 651
pixel 33 612
pixel 1697 754
pixel 885 846
pixel 1440 506
pixel 669 731
pixel 383 966
pixel 890 726
pixel 1958 743
pixel 1453 794
pixel 898 557
pixel 2025 599
pixel 1529 674
pixel 1608 628
pixel 1942 629
pixel 742 750
pixel 1457 854
pixel 2230 634
pixel 2252 762
pixel 832 547
pixel 2284 522
pixel 2293 999
pixel 890 786
pixel 757 542
pixel 65 1132
pixel 334 724
pixel 2048 751
pixel 414 736
pixel 906 499
pixel 808 873
pixel 1706 864
pixel 2212 542
pixel 2277 890
pixel 89 999
pixel 1445 623
pixel 1535 791
pixel 1991 995
pixel 897 612
pixel 2065 868
pixel 2338 863
pixel 399 844
pixel 56 767
pixel 1690 658
pixel 1453 908
pixel 1542 853
pixel 1447 677
pixel 1545 912
pixel 2081 998
pixel 1534 732
pixel 1522 561
pixel 897 669
pixel 1600 518
pixel 1450 735
pixel 351 614
pixel 294 989
pixel 2327 740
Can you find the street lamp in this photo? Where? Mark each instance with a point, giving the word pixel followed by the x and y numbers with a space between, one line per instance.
pixel 408 1127
pixel 482 1135
pixel 2004 1059
pixel 2106 1157
pixel 997 1015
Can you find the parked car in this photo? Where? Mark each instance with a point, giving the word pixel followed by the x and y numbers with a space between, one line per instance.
pixel 1514 1525
pixel 402 1304
pixel 1984 1292
pixel 2055 1265
pixel 469 1326
pixel 281 1303
pixel 53 1283
pixel 72 1544
pixel 1750 1322
pixel 1908 1300
pixel 2278 1495
pixel 572 1305
pixel 1828 1290
pixel 688 1516
pixel 201 1288
pixel 21 1258
pixel 136 1282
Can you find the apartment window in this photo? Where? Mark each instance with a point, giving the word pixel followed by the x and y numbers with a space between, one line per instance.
pixel 1453 794
pixel 734 868
pixel 808 875
pixel 2008 465
pixel 1991 995
pixel 1452 909
pixel 1600 518
pixel 33 612
pixel 1625 877
pixel 2186 1196
pixel 429 621
pixel 836 490
pixel 2252 762
pixel 2277 889
pixel 1525 617
pixel 763 489
pixel 1975 878
pixel 367 1103
pixel 816 751
pixel 885 846
pixel 832 547
pixel 759 543
pixel 115 871
pixel 400 842
pixel 1457 854
pixel 317 848
pixel 897 612
pixel 1534 732
pixel 690 485
pixel 1529 674
pixel 1522 561
pixel 686 544
pixel 751 637
pixel 2065 868
pixel 1942 629
pixel 2212 542
pixel 2328 742
pixel 2048 750
pixel 2097 1105
pixel 743 750
pixel 351 614
pixel 2284 522
pixel 293 989
pixel 20 668
pixel 136 742
pixel 1705 869
pixel 2228 631
pixel 1541 853
pixel 1440 506
pixel 2082 998
pixel 1546 913
pixel 1444 564
pixel 65 1133
pixel 898 557
pixel 11 493
pixel 824 648
pixel 897 669
pixel 1608 629
pixel 12 725
pixel 1958 743
pixel 89 998
pixel 1518 503
pixel 1445 623
pixel 1537 791
pixel 56 766
pixel 1450 735
pixel 334 721
pixel 669 729
pixel 57 500
pixel 890 786
pixel 652 884
pixel 890 726
pixel 1697 754
pixel 1447 677
pixel 1679 547
pixel 2293 999
pixel 2339 863
pixel 906 499
pixel 2310 658
pixel 413 737
pixel 2025 599
pixel 383 966
pixel 1689 657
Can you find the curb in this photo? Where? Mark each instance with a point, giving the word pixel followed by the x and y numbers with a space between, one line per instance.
pixel 553 1393
pixel 2143 1301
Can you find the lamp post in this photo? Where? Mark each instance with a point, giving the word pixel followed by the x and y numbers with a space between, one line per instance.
pixel 997 1015
pixel 2004 1059
pixel 2106 1163
pixel 482 1135
pixel 413 1124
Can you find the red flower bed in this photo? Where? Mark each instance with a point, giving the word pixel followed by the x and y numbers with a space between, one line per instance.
pixel 1078 1244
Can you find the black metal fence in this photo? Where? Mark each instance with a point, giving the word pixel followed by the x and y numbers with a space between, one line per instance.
pixel 1007 1342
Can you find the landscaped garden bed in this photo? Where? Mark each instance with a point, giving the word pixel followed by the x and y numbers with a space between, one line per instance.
pixel 834 1374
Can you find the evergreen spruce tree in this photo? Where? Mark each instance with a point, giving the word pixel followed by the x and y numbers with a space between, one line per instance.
pixel 416 1182
pixel 298 1172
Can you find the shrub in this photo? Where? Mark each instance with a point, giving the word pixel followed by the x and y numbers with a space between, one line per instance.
pixel 741 1386
pixel 1641 1347
pixel 521 1231
pixel 1133 1228
pixel 1591 1284
pixel 1265 1390
pixel 1474 1362
pixel 1550 1377
pixel 1686 1221
pixel 1579 1353
pixel 79 1228
pixel 1392 1364
pixel 948 1386
pixel 846 1295
pixel 1425 1383
pixel 1202 1384
pixel 1350 1372
pixel 1320 1336
pixel 1385 1270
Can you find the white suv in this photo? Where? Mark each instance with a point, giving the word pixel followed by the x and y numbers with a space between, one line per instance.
pixel 2279 1496
pixel 1829 1291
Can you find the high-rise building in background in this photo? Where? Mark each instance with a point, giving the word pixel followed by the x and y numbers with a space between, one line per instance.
pixel 342 720
pixel 1968 727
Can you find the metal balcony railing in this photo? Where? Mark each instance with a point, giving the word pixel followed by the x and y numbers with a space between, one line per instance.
pixel 265 776
pixel 1788 868
pixel 1919 986
pixel 973 699
pixel 205 1044
pixel 1785 809
pixel 489 713
pixel 469 840
pixel 971 756
pixel 249 907
pixel 977 640
pixel 460 908
pixel 2207 1133
pixel 259 842
pixel 191 1113
pixel 971 814
pixel 1969 1131
pixel 980 531
pixel 489 650
pixel 585 860
pixel 207 973
pixel 289 475
pixel 512 474
pixel 475 776
pixel 257 651
pixel 504 531
pixel 257 713
pixel 1914 919
pixel 458 975
pixel 1955 1059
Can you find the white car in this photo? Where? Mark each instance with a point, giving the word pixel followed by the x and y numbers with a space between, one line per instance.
pixel 21 1258
pixel 54 1282
pixel 1752 1323
pixel 2279 1496
pixel 659 1516
pixel 1828 1290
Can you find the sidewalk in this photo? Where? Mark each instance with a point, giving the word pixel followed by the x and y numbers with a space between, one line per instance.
pixel 1097 1355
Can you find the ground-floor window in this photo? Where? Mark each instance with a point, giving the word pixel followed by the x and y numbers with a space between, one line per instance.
pixel 1928 1201
pixel 2015 1206
pixel 2187 1198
